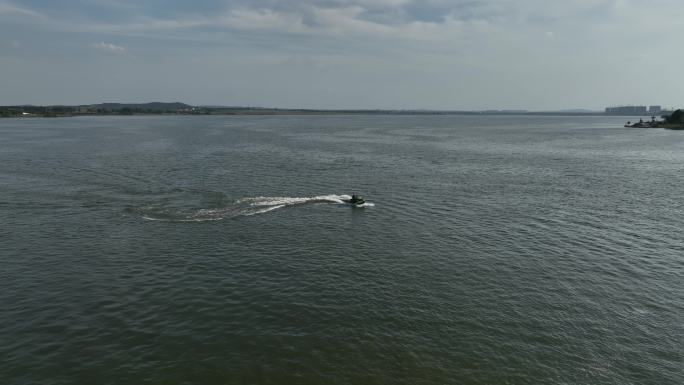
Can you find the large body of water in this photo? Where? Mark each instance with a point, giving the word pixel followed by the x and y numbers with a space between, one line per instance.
pixel 215 250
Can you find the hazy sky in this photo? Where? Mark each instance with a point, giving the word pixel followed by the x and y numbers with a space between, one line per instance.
pixel 436 54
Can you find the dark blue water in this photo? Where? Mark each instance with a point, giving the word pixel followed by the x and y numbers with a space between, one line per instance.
pixel 217 250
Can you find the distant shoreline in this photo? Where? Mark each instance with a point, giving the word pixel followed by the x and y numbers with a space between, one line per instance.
pixel 117 109
pixel 300 113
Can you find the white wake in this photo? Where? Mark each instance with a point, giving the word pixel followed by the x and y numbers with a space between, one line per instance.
pixel 289 201
pixel 260 205
pixel 241 207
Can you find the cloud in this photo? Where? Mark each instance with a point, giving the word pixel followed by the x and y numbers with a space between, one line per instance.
pixel 398 20
pixel 437 26
pixel 491 27
pixel 397 52
pixel 11 9
pixel 108 47
pixel 259 19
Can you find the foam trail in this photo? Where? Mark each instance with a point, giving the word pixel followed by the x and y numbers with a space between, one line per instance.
pixel 266 204
pixel 289 201
pixel 148 218
pixel 242 207
pixel 265 210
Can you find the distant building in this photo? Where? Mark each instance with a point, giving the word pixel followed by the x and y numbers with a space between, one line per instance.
pixel 627 110
pixel 655 110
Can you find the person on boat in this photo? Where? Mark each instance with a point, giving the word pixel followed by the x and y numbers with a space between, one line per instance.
pixel 355 199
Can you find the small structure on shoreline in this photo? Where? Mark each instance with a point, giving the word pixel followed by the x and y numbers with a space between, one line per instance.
pixel 641 124
pixel 675 121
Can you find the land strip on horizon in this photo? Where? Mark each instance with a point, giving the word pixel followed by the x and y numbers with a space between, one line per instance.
pixel 177 108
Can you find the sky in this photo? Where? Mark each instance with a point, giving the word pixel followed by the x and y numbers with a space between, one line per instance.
pixel 384 54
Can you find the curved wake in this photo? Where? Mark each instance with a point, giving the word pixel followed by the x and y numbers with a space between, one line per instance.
pixel 242 207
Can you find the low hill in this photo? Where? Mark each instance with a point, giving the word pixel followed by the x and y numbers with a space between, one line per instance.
pixel 153 106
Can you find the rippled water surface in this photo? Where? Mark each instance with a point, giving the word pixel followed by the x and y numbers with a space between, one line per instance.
pixel 219 250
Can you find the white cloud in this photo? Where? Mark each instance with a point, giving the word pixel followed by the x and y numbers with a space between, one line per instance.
pixel 348 20
pixel 449 21
pixel 108 47
pixel 11 9
pixel 251 19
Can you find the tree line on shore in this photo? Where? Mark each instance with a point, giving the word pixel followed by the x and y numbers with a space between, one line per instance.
pixel 158 108
pixel 100 109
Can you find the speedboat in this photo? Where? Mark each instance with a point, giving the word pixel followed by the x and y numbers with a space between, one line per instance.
pixel 356 200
